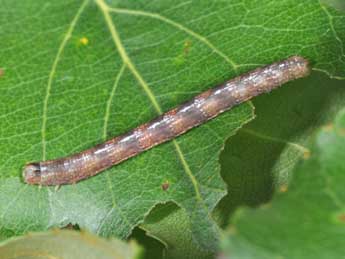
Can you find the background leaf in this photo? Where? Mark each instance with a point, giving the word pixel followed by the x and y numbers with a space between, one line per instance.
pixel 68 244
pixel 77 72
pixel 262 156
pixel 170 225
pixel 307 219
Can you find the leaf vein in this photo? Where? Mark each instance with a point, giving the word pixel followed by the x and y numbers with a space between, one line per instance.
pixel 52 73
pixel 105 9
pixel 331 24
pixel 109 102
pixel 179 26
pixel 299 147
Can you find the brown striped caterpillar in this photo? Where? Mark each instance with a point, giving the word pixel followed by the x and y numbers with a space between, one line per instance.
pixel 167 126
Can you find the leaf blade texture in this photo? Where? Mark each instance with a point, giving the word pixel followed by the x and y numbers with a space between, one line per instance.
pixel 84 71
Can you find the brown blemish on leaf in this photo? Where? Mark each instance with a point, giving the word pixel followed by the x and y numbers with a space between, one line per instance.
pixel 1 72
pixel 341 217
pixel 165 186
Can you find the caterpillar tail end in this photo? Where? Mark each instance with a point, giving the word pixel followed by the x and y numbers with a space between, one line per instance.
pixel 303 67
pixel 32 173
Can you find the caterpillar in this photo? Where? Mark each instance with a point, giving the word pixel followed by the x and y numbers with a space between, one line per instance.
pixel 201 108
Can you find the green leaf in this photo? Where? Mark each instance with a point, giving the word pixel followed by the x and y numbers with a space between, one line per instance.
pixel 78 72
pixel 81 91
pixel 307 219
pixel 68 244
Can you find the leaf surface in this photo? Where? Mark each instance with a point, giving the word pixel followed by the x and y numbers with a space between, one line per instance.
pixel 78 72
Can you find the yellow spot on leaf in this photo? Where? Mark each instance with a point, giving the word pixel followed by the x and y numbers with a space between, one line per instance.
pixel 84 41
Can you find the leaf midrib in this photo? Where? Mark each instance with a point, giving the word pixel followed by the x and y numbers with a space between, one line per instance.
pixel 116 38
